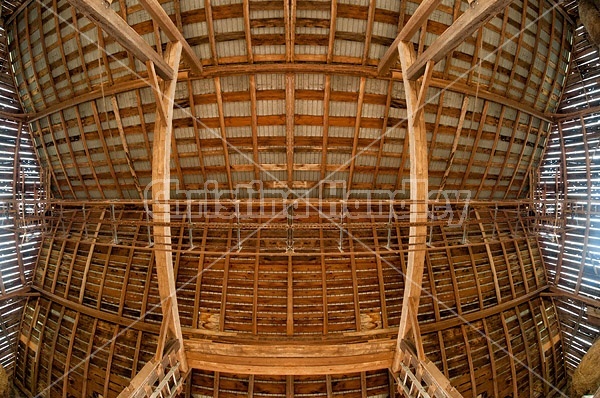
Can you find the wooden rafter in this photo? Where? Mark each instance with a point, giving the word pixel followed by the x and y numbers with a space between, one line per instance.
pixel 168 27
pixel 118 28
pixel 462 28
pixel 411 27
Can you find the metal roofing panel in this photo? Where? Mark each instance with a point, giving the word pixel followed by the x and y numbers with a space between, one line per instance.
pixel 231 48
pixel 270 82
pixel 373 110
pixel 271 131
pixel 308 107
pixel 237 109
pixel 245 131
pixel 306 81
pixel 337 108
pixel 270 107
pixel 309 131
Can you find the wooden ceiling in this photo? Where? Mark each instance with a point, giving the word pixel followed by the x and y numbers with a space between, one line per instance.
pixel 289 116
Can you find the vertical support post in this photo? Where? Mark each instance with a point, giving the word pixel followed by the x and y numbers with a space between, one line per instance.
pixel 164 92
pixel 419 168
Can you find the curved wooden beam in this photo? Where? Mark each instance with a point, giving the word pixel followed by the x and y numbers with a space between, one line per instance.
pixel 419 194
pixel 234 70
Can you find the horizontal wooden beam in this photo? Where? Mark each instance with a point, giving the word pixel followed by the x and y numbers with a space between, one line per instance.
pixel 21 293
pixel 289 359
pixel 462 28
pixel 558 292
pixel 117 27
pixel 475 316
pixel 417 19
pixel 576 114
pixel 163 20
pixel 234 70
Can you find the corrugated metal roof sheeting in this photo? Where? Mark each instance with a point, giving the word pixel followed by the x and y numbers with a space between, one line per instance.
pixel 216 3
pixel 237 157
pixel 309 131
pixel 271 157
pixel 270 81
pixel 273 175
pixel 390 5
pixel 235 83
pixel 270 107
pixel 342 109
pixel 335 131
pixel 369 133
pixel 231 48
pixel 312 50
pixel 365 160
pixel 237 109
pixel 309 107
pixel 306 81
pixel 346 48
pixel 271 131
pixel 238 131
pixel 392 147
pixel 207 110
pixel 337 158
pixel 373 110
pixel 307 157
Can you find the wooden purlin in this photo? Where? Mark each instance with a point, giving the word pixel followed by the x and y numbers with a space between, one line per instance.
pixel 345 70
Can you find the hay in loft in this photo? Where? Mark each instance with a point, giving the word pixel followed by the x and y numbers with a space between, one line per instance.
pixel 5 384
pixel 589 13
pixel 586 378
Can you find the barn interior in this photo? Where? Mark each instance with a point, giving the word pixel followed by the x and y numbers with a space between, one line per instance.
pixel 300 198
